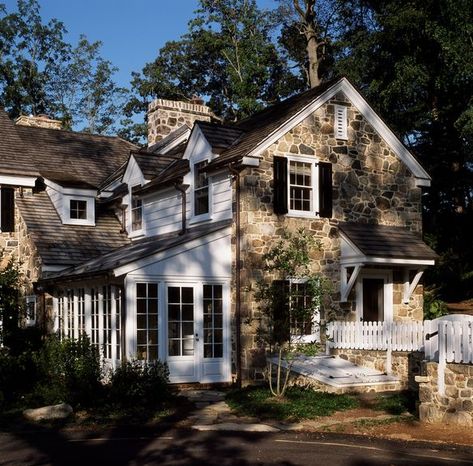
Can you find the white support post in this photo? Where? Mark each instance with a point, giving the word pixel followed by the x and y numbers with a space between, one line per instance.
pixel 328 336
pixel 410 287
pixel 347 285
pixel 101 306
pixel 56 314
pixel 389 344
pixel 113 324
pixel 442 336
pixel 88 312
pixel 75 312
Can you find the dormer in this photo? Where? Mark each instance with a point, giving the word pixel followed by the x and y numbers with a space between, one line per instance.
pixel 74 201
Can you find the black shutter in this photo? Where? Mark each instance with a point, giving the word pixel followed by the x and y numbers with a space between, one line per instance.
pixel 280 185
pixel 7 196
pixel 281 317
pixel 325 189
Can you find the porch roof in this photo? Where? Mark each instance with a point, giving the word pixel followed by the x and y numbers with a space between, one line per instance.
pixel 133 252
pixel 394 244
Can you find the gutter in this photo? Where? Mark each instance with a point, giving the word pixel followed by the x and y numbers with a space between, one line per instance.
pixel 236 178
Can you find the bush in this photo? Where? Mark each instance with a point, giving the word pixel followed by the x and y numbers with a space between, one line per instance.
pixel 69 371
pixel 433 306
pixel 18 375
pixel 139 383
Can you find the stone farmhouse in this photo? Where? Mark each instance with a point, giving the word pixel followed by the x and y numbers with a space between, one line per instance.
pixel 154 252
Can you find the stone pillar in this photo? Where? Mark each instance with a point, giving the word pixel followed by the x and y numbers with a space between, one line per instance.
pixel 165 116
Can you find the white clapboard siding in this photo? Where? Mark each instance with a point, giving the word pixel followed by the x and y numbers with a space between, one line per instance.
pixel 162 213
pixel 221 198
pixel 399 336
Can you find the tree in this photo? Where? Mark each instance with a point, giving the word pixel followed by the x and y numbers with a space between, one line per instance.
pixel 283 304
pixel 41 73
pixel 307 27
pixel 227 55
pixel 417 70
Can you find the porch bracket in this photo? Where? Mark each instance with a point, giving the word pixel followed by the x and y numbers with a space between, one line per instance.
pixel 345 284
pixel 410 287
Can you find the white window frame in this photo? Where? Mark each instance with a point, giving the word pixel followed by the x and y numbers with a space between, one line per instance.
pixel 312 213
pixel 90 210
pixel 207 215
pixel 340 122
pixel 138 232
pixel 315 335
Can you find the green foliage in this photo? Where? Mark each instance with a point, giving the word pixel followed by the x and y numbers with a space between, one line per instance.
pixel 297 404
pixel 397 403
pixel 68 371
pixel 227 55
pixel 139 383
pixel 41 73
pixel 10 309
pixel 433 306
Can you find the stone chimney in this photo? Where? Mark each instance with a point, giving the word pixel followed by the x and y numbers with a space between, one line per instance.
pixel 39 121
pixel 165 116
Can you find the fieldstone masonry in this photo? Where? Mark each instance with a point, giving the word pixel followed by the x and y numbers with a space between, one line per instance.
pixel 370 185
pixel 456 406
pixel 165 116
pixel 40 121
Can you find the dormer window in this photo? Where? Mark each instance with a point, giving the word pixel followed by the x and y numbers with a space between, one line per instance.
pixel 136 213
pixel 201 189
pixel 78 209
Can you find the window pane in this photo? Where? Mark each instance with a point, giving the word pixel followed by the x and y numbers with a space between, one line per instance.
pixel 153 321
pixel 141 290
pixel 141 321
pixel 207 291
pixel 152 306
pixel 153 352
pixel 187 295
pixel 174 312
pixel 174 347
pixel 173 294
pixel 218 350
pixel 187 312
pixel 152 290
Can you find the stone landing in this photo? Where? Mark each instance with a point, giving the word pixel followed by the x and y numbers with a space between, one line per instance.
pixel 337 375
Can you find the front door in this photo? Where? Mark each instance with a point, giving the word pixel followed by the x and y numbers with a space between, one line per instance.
pixel 374 296
pixel 183 336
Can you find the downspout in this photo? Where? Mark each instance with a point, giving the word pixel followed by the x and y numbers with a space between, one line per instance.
pixel 236 177
pixel 182 188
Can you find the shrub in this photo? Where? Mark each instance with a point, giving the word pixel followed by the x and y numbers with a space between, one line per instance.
pixel 433 306
pixel 139 383
pixel 69 371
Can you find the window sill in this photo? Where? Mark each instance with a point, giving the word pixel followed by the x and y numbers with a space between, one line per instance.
pixel 137 234
pixel 301 214
pixel 200 219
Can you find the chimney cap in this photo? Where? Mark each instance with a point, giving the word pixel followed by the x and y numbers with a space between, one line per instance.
pixel 197 100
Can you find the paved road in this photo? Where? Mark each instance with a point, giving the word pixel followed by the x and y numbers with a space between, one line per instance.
pixel 187 447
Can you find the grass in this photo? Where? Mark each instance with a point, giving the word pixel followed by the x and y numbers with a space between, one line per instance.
pixel 396 403
pixel 297 404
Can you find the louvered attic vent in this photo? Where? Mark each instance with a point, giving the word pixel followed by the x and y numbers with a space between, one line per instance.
pixel 340 122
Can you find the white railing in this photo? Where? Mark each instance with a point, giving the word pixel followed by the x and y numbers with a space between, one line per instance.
pixel 397 336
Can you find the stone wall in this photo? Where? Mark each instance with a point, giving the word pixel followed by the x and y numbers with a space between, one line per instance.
pixel 165 116
pixel 405 365
pixel 370 185
pixel 456 406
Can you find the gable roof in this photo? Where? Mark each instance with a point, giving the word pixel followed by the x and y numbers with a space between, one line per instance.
pixel 136 251
pixel 67 245
pixel 265 127
pixel 15 159
pixel 152 164
pixel 161 145
pixel 86 158
pixel 219 136
pixel 387 241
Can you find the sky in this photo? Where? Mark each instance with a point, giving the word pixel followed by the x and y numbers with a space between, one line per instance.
pixel 132 31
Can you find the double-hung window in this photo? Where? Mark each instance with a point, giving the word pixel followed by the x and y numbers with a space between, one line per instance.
pixel 302 187
pixel 201 189
pixel 136 213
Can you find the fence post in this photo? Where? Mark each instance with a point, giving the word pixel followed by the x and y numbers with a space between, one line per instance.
pixel 328 335
pixel 389 338
pixel 442 329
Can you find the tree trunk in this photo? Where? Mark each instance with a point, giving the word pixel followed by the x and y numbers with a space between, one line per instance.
pixel 313 59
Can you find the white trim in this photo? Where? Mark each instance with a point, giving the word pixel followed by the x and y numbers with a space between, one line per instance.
pixel 175 142
pixel 207 215
pixel 384 260
pixel 410 287
pixel 347 285
pixel 422 177
pixel 314 174
pixel 15 180
pixel 387 277
pixel 178 249
pixel 70 191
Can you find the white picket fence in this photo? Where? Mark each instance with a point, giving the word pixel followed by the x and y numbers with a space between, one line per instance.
pixel 397 336
pixel 448 339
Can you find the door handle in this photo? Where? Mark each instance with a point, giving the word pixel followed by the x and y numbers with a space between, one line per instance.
pixel 196 337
